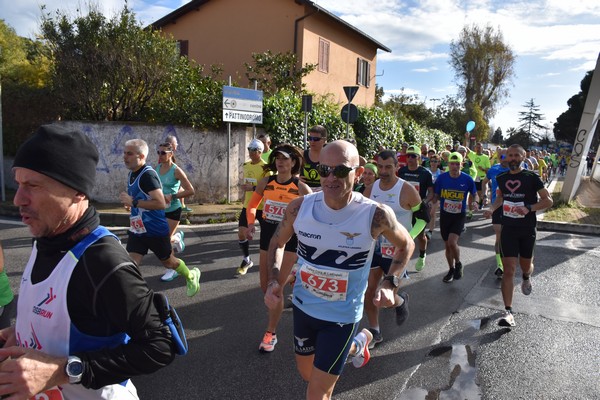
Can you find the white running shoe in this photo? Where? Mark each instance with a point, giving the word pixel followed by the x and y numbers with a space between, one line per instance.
pixel 363 355
pixel 169 275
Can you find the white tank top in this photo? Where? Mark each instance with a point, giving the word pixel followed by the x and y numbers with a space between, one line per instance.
pixel 334 259
pixel 391 197
pixel 43 323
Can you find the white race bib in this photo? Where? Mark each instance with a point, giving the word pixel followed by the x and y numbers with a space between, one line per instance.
pixel 274 210
pixel 509 209
pixel 453 206
pixel 330 285
pixel 136 224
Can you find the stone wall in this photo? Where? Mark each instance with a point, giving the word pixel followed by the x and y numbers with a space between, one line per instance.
pixel 201 154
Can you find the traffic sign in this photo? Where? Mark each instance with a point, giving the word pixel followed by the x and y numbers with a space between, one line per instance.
pixel 349 113
pixel 350 92
pixel 242 105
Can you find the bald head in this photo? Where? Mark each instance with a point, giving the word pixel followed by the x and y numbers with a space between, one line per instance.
pixel 340 150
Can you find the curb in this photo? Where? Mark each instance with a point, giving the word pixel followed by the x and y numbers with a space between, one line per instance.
pixel 555 226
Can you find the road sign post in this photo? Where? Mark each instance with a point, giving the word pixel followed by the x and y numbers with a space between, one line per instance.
pixel 349 111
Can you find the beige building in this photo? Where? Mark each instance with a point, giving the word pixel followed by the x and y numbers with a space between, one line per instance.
pixel 227 32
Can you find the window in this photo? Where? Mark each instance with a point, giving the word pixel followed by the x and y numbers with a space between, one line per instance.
pixel 323 55
pixel 363 72
pixel 182 47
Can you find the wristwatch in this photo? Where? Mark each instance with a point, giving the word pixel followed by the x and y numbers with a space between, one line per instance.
pixel 74 369
pixel 393 279
pixel 528 206
pixel 134 203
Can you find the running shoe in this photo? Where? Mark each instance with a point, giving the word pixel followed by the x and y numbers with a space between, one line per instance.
pixel 193 282
pixel 363 355
pixel 179 244
pixel 526 286
pixel 186 209
pixel 402 311
pixel 428 234
pixel 420 263
pixel 499 272
pixel 458 271
pixel 469 214
pixel 449 276
pixel 507 320
pixel 169 275
pixel 244 267
pixel 377 338
pixel 268 343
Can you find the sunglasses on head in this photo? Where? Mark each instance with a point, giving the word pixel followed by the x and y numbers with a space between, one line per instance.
pixel 340 171
pixel 313 139
pixel 163 152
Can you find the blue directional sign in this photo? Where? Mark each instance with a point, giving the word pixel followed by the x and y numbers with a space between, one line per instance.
pixel 242 105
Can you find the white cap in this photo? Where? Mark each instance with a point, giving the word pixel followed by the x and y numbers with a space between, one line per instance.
pixel 256 144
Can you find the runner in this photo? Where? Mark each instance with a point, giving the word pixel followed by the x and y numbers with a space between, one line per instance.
pixel 172 140
pixel 277 191
pixel 149 229
pixel 370 174
pixel 481 162
pixel 253 172
pixel 332 277
pixel 422 180
pixel 266 141
pixel 468 167
pixel 401 198
pixel 6 293
pixel 317 137
pixel 452 190
pixel 172 179
pixel 434 164
pixel 518 192
pixel 491 175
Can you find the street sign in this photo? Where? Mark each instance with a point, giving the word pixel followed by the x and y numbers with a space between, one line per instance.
pixel 242 105
pixel 352 110
pixel 350 92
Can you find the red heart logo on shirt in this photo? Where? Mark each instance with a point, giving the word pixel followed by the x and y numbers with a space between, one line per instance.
pixel 513 185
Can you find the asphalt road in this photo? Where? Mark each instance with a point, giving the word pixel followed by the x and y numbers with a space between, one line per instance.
pixel 450 348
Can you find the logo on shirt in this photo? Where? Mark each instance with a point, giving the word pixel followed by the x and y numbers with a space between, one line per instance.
pixel 33 343
pixel 350 237
pixel 309 235
pixel 40 310
pixel 512 186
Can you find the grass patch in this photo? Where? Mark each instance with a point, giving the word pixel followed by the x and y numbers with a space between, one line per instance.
pixel 571 212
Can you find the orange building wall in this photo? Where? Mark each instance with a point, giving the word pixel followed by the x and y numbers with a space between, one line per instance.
pixel 251 26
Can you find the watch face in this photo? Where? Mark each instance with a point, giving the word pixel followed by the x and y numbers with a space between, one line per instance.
pixel 74 368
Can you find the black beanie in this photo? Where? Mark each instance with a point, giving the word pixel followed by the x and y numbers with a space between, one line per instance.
pixel 65 155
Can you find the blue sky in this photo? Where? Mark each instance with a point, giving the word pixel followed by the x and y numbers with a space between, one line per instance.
pixel 555 42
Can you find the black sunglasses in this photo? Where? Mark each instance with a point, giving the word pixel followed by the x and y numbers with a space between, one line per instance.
pixel 313 139
pixel 340 171
pixel 253 149
pixel 412 155
pixel 162 152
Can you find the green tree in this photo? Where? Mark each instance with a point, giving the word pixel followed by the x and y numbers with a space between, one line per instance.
pixel 530 120
pixel 278 71
pixel 497 136
pixel 484 67
pixel 450 117
pixel 190 96
pixel 106 69
pixel 567 124
pixel 518 137
pixel 27 100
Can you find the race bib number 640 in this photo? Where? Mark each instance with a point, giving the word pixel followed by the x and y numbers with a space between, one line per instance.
pixel 328 285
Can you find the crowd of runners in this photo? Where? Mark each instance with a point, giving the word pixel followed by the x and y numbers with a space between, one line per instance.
pixel 337 227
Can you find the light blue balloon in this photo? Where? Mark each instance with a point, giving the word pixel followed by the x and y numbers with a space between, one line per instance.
pixel 470 126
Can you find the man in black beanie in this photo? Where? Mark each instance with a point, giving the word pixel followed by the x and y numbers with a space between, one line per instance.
pixel 86 322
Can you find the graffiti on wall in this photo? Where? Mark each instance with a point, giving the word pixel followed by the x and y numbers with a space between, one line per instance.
pixel 578 148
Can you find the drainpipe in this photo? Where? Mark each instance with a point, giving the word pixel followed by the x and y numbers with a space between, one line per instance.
pixel 297 21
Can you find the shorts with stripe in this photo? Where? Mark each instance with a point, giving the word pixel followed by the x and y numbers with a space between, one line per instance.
pixel 330 342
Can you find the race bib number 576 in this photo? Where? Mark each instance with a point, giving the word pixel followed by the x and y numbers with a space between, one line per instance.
pixel 328 285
